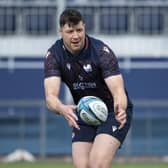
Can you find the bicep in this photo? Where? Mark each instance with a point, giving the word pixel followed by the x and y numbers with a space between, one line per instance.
pixel 51 65
pixel 52 86
pixel 108 63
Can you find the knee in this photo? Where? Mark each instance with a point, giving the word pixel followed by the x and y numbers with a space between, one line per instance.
pixel 80 164
pixel 97 163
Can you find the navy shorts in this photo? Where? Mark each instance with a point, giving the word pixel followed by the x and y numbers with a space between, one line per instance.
pixel 88 133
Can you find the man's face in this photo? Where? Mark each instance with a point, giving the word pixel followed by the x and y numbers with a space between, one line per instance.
pixel 73 37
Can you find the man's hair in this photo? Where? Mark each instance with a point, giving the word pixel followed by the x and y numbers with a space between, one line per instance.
pixel 70 17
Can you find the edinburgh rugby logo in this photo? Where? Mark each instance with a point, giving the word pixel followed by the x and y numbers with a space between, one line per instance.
pixel 87 68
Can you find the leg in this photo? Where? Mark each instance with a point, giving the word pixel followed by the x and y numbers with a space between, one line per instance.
pixel 103 151
pixel 82 141
pixel 80 154
pixel 108 141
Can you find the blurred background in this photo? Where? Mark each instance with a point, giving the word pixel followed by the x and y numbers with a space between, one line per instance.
pixel 136 30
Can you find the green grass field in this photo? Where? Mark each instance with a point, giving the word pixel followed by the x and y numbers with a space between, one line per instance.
pixel 69 165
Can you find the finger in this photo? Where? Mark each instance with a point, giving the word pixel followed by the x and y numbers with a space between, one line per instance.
pixel 121 117
pixel 73 115
pixel 74 107
pixel 121 112
pixel 121 126
pixel 76 125
pixel 122 123
pixel 73 123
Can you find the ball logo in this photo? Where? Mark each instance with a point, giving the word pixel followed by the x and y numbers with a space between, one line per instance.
pixel 88 118
pixel 84 116
pixel 99 107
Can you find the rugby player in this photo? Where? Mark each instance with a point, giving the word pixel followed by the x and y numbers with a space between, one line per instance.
pixel 88 67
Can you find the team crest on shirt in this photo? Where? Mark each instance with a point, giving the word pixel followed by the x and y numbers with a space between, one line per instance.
pixel 106 49
pixel 68 65
pixel 87 68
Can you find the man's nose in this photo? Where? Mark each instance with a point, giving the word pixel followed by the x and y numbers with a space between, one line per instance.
pixel 75 34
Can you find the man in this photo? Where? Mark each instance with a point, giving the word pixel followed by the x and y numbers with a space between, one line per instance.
pixel 88 67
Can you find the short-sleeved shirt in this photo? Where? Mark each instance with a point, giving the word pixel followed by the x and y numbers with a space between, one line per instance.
pixel 84 73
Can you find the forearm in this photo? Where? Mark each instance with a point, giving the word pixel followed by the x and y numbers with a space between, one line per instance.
pixel 120 99
pixel 116 87
pixel 54 104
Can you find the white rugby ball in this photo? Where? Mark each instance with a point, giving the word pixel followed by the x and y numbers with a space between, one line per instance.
pixel 92 110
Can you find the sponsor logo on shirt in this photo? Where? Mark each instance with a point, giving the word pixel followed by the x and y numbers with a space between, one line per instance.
pixel 84 85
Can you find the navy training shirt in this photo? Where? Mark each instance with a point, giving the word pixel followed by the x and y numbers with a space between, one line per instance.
pixel 83 73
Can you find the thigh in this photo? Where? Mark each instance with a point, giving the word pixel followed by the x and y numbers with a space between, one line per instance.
pixel 86 133
pixel 80 154
pixel 103 150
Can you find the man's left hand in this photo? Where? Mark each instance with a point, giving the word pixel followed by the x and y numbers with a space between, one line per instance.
pixel 120 115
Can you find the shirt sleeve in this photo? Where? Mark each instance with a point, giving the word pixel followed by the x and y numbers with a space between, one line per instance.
pixel 108 62
pixel 51 66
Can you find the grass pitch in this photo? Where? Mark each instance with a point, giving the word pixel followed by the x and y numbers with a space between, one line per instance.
pixel 69 165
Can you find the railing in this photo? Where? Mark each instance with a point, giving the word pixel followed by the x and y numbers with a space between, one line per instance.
pixel 19 111
pixel 147 135
pixel 109 17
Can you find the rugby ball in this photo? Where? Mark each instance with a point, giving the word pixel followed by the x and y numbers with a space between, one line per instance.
pixel 92 110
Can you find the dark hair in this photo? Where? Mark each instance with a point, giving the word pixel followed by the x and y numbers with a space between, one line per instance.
pixel 70 17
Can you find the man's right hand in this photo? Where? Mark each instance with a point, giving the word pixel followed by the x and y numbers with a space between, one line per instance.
pixel 68 111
